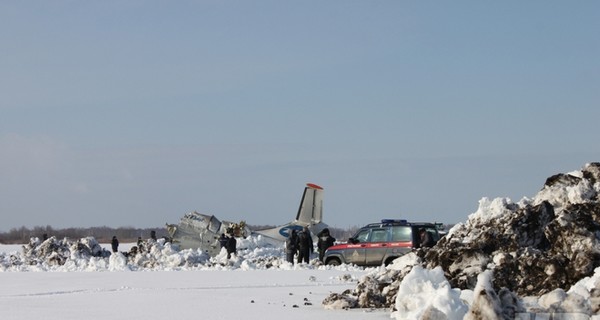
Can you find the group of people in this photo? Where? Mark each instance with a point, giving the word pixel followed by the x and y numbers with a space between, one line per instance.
pixel 301 243
pixel 227 241
pixel 114 243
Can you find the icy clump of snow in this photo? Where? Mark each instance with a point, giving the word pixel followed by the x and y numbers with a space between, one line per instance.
pixel 488 211
pixel 428 292
pixel 561 302
pixel 118 262
pixel 587 284
pixel 552 298
pixel 486 304
pixel 570 188
pixel 376 289
pixel 339 302
pixel 406 261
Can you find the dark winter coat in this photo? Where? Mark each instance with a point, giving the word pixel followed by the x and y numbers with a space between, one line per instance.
pixel 426 240
pixel 231 246
pixel 305 246
pixel 305 241
pixel 325 242
pixel 291 244
pixel 223 240
pixel 114 244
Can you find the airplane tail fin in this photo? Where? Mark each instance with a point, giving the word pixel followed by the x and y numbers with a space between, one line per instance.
pixel 310 214
pixel 311 206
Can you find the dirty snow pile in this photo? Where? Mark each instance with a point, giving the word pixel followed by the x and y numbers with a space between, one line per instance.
pixel 537 256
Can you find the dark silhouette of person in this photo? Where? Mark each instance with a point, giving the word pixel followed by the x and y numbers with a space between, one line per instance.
pixel 305 245
pixel 325 241
pixel 140 244
pixel 114 244
pixel 153 235
pixel 231 246
pixel 291 246
pixel 223 240
pixel 426 241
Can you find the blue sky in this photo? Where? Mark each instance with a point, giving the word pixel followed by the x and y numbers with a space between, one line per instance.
pixel 132 113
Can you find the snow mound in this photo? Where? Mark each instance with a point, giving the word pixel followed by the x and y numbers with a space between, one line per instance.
pixel 508 259
pixel 532 247
pixel 377 289
pixel 426 294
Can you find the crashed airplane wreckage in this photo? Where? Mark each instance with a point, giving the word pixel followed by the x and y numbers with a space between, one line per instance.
pixel 201 231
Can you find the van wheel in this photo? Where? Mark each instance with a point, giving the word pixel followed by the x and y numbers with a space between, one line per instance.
pixel 333 262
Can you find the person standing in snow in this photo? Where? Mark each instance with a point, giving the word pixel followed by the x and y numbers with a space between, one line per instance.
pixel 291 246
pixel 114 244
pixel 231 246
pixel 325 241
pixel 305 245
pixel 140 244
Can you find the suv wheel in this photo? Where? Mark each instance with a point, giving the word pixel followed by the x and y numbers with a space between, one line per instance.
pixel 333 262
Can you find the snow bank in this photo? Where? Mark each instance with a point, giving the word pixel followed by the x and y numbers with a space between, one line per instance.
pixel 426 294
pixel 537 256
pixel 87 255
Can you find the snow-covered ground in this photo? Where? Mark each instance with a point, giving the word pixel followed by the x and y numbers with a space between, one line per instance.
pixel 250 294
pixel 221 292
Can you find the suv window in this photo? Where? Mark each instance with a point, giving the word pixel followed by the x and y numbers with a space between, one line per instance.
pixel 379 235
pixel 362 235
pixel 433 234
pixel 401 233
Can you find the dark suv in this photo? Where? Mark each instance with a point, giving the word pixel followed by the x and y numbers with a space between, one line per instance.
pixel 380 243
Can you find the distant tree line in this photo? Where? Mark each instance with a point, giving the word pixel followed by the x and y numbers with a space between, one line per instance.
pixel 125 234
pixel 102 234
